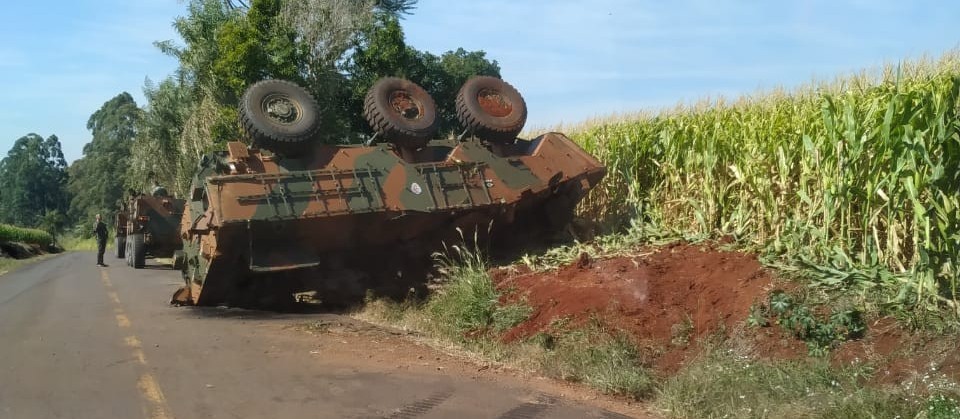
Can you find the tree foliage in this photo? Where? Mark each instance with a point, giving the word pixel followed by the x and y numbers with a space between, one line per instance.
pixel 334 48
pixel 380 51
pixel 34 179
pixel 156 152
pixel 97 179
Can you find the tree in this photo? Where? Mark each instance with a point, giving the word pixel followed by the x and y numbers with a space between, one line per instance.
pixel 442 76
pixel 380 51
pixel 34 179
pixel 256 47
pixel 156 151
pixel 336 49
pixel 97 179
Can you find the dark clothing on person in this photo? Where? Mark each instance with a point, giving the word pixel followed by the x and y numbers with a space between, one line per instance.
pixel 100 233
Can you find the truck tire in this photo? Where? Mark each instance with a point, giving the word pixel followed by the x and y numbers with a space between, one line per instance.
pixel 401 112
pixel 129 253
pixel 179 260
pixel 139 250
pixel 279 115
pixel 121 246
pixel 491 109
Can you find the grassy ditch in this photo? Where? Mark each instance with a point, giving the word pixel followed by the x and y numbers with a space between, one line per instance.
pixel 9 264
pixel 77 243
pixel 467 311
pixel 727 383
pixel 728 379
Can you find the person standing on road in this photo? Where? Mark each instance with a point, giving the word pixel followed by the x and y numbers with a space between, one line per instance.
pixel 100 233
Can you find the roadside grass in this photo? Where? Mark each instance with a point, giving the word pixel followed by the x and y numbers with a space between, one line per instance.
pixel 9 264
pixel 727 383
pixel 606 360
pixel 623 243
pixel 76 243
pixel 467 311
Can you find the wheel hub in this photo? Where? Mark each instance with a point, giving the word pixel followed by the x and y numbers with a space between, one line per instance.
pixel 493 103
pixel 281 109
pixel 405 105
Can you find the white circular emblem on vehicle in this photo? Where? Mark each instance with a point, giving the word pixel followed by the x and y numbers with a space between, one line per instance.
pixel 415 188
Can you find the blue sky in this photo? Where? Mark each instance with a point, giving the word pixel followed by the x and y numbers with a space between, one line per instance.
pixel 572 60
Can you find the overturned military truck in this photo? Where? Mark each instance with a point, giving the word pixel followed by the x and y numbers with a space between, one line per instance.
pixel 287 216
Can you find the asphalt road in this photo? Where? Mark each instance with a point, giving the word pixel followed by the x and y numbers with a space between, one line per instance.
pixel 78 341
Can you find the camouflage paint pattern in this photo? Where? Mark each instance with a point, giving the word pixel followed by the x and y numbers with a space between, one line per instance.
pixel 315 221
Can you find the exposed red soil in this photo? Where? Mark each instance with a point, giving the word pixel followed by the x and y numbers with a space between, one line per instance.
pixel 901 356
pixel 677 293
pixel 672 298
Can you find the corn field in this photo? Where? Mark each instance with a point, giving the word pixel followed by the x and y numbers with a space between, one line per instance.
pixel 848 176
pixel 9 233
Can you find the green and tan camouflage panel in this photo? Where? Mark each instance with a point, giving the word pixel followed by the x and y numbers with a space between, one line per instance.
pixel 342 219
pixel 157 219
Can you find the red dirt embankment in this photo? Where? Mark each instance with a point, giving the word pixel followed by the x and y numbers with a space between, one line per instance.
pixel 681 288
pixel 666 299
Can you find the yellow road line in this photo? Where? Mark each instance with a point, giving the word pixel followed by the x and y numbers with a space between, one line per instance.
pixel 105 278
pixel 147 384
pixel 151 390
pixel 133 342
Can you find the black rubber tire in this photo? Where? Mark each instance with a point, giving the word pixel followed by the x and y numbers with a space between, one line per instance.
pixel 499 116
pixel 139 250
pixel 401 112
pixel 279 115
pixel 129 253
pixel 121 246
pixel 178 260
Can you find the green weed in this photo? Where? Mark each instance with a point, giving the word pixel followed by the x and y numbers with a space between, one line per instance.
pixel 76 243
pixel 469 302
pixel 725 384
pixel 606 360
pixel 820 332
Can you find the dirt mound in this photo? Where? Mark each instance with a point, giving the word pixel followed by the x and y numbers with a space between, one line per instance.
pixel 19 250
pixel 16 250
pixel 681 292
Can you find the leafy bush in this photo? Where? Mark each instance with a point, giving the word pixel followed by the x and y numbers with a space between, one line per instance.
pixel 820 332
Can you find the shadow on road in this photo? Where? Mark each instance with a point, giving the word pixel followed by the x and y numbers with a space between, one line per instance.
pixel 288 312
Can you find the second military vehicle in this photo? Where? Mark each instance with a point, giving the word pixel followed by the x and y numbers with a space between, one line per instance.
pixel 149 226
